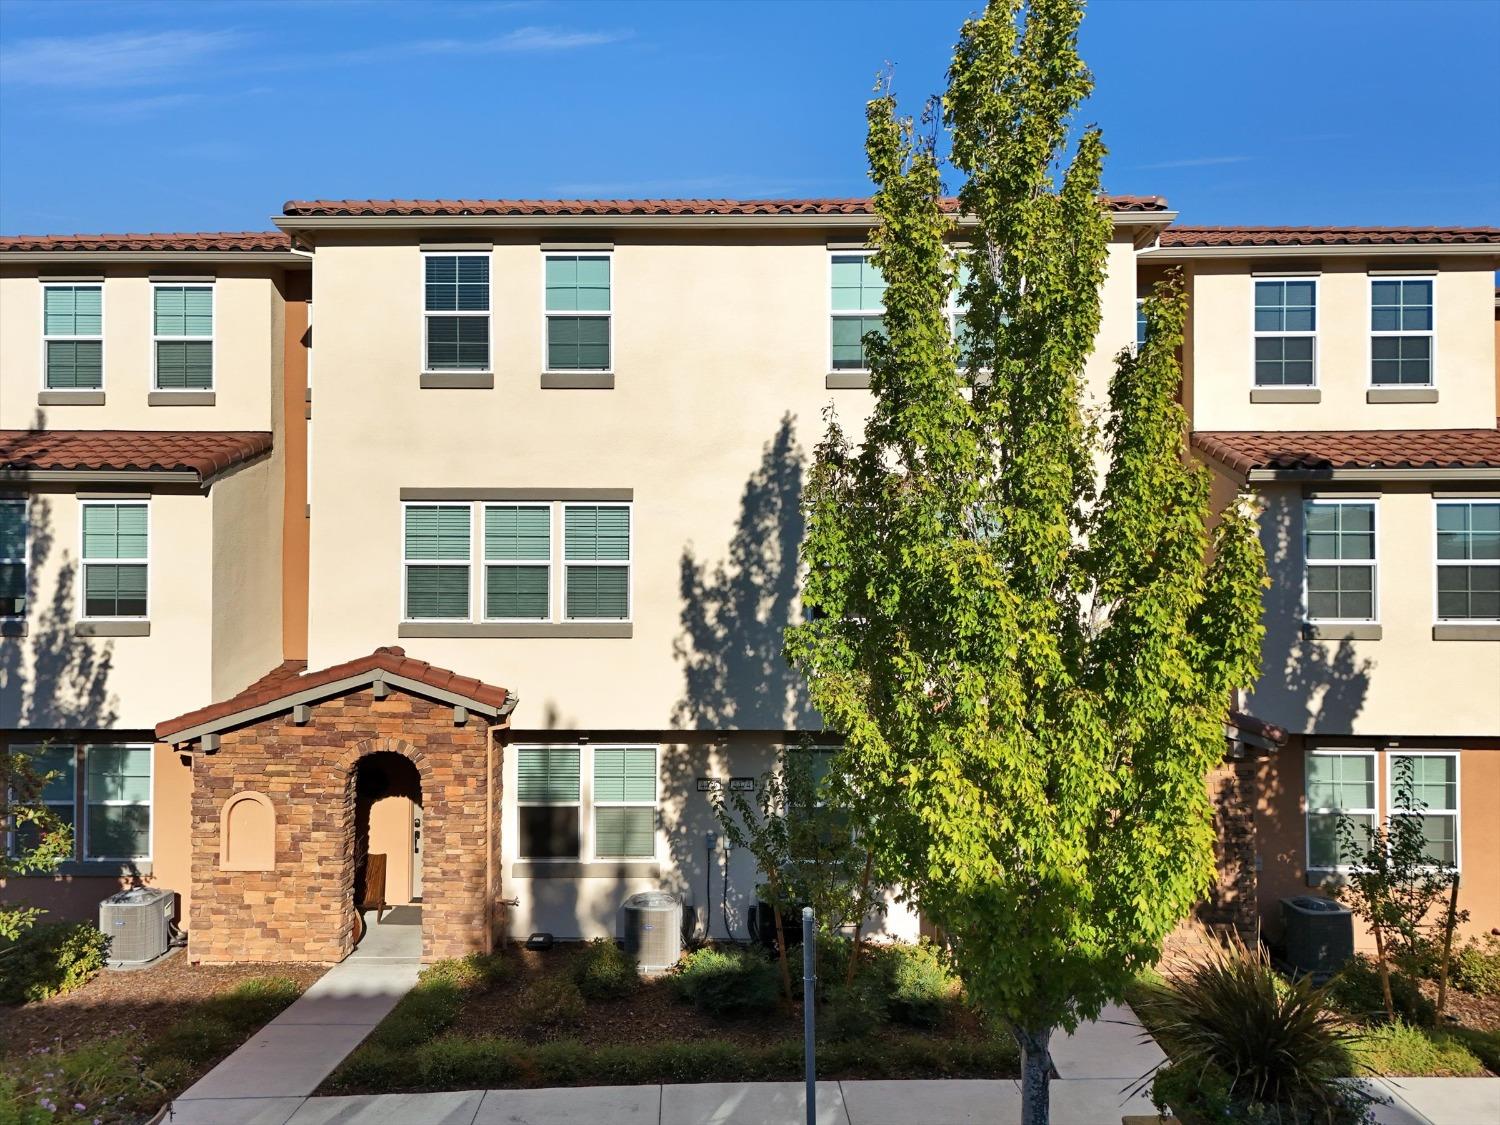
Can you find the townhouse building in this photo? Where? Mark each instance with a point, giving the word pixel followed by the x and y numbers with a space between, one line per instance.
pixel 463 534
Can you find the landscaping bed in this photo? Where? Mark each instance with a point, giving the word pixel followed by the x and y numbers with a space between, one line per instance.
pixel 577 1015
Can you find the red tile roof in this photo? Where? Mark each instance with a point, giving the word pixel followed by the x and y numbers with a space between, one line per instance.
pixel 291 678
pixel 1327 236
pixel 205 452
pixel 1322 450
pixel 322 208
pixel 270 240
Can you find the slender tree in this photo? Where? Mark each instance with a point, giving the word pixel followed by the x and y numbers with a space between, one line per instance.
pixel 1030 667
pixel 40 839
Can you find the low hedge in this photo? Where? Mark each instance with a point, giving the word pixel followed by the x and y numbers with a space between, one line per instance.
pixel 727 982
pixel 49 960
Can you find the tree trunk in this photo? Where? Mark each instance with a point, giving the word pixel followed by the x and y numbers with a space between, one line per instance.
pixel 1036 1073
pixel 786 975
pixel 1385 972
pixel 859 919
pixel 1448 924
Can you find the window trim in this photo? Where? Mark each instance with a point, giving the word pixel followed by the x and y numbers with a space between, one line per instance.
pixel 629 563
pixel 72 803
pixel 1371 334
pixel 209 283
pixel 607 253
pixel 46 339
pixel 86 851
pixel 1458 796
pixel 585 796
pixel 1257 335
pixel 485 562
pixel 1373 562
pixel 1139 338
pixel 24 503
pixel 84 562
pixel 849 314
pixel 426 313
pixel 407 564
pixel 1308 811
pixel 595 804
pixel 1438 562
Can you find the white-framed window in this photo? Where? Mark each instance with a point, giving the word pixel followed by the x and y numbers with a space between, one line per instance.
pixel 72 336
pixel 856 304
pixel 577 308
pixel 435 562
pixel 1435 795
pixel 15 557
pixel 549 802
pixel 1401 332
pixel 596 557
pixel 59 794
pixel 624 800
pixel 1339 550
pixel 117 793
pixel 1140 323
pixel 116 559
pixel 517 562
pixel 1468 560
pixel 182 323
pixel 1338 782
pixel 456 311
pixel 1286 332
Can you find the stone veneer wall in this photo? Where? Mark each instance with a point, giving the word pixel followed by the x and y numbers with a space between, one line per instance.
pixel 303 909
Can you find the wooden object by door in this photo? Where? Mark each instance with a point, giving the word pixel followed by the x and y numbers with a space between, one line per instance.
pixel 372 893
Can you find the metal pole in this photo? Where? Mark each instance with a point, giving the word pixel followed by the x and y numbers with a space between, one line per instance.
pixel 809 983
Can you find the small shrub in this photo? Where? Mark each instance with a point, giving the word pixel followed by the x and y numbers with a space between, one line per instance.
pixel 50 960
pixel 921 988
pixel 853 1011
pixel 550 1002
pixel 727 983
pixel 1485 1045
pixel 1476 967
pixel 604 971
pixel 475 973
pixel 373 1067
pixel 456 1063
pixel 1400 1049
pixel 563 1063
pixel 1356 991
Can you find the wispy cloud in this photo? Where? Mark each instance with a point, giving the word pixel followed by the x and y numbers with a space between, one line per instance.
pixel 522 40
pixel 1194 162
pixel 113 59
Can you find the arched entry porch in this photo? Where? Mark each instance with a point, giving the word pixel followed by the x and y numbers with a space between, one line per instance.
pixel 387 895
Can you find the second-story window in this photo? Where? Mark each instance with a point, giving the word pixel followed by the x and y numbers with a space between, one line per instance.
pixel 115 559
pixel 578 309
pixel 1140 323
pixel 1401 332
pixel 1339 548
pixel 436 562
pixel 517 562
pixel 1286 323
pixel 857 303
pixel 183 327
pixel 73 333
pixel 1468 561
pixel 456 303
pixel 13 578
pixel 596 554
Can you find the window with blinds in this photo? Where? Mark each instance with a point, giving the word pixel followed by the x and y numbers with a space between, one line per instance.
pixel 596 554
pixel 436 562
pixel 456 310
pixel 517 562
pixel 183 331
pixel 117 790
pixel 73 333
pixel 548 799
pixel 13 558
pixel 578 311
pixel 624 802
pixel 59 793
pixel 857 300
pixel 115 559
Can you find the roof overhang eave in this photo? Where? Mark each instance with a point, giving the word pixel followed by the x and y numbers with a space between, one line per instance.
pixel 55 257
pixel 110 476
pixel 1417 474
pixel 1352 250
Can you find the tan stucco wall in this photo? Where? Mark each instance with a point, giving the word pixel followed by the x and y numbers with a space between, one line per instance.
pixel 246 577
pixel 1405 683
pixel 390 835
pixel 1220 328
pixel 246 343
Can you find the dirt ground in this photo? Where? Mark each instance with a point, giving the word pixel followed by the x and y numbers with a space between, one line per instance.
pixel 139 1000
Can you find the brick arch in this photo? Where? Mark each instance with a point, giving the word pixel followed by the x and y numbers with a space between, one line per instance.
pixel 384 745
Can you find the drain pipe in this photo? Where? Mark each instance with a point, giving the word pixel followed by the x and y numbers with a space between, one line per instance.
pixel 710 840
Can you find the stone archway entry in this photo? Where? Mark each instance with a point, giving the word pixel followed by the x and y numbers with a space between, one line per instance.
pixel 297 739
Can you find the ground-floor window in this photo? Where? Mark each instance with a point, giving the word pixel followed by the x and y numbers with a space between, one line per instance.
pixel 1348 783
pixel 577 802
pixel 102 792
pixel 1434 790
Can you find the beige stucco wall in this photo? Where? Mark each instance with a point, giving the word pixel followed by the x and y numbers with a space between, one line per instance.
pixel 245 345
pixel 1405 683
pixel 1221 323
pixel 246 577
pixel 390 835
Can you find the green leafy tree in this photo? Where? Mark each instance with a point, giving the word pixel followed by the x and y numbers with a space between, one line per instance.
pixel 40 840
pixel 1031 671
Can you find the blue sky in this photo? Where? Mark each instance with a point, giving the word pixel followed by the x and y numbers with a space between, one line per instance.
pixel 163 116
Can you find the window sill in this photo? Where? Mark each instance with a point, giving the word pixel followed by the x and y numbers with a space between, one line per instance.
pixel 458 380
pixel 1401 394
pixel 13 628
pixel 1466 631
pixel 600 869
pixel 847 381
pixel 578 380
pixel 1286 394
pixel 1334 631
pixel 111 628
pixel 533 629
pixel 70 398
pixel 181 398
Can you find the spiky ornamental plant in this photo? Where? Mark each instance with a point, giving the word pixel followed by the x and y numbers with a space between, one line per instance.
pixel 1031 679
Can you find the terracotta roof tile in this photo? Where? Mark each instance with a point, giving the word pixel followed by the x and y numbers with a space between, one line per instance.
pixel 1327 236
pixel 540 208
pixel 205 452
pixel 270 240
pixel 291 677
pixel 1323 450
